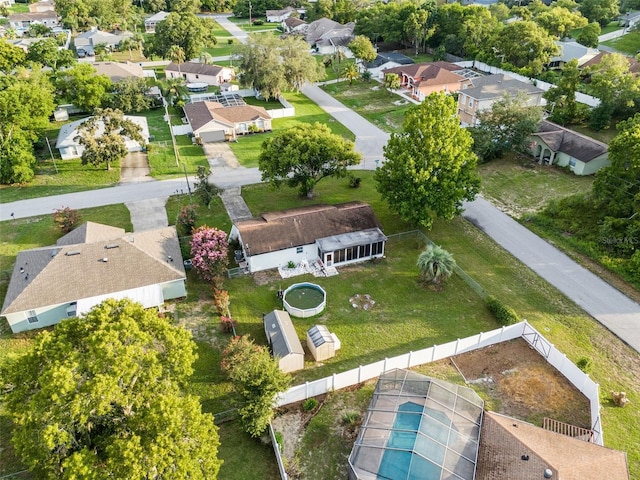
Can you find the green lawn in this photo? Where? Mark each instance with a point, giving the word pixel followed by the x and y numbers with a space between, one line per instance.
pixel 371 100
pixel 247 148
pixel 628 43
pixel 19 8
pixel 612 27
pixel 334 70
pixel 518 186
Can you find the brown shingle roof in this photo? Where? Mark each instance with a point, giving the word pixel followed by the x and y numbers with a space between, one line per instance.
pixel 196 68
pixel 90 232
pixel 504 440
pixel 77 272
pixel 634 65
pixel 423 70
pixel 302 226
pixel 117 71
pixel 201 113
pixel 293 22
pixel 561 139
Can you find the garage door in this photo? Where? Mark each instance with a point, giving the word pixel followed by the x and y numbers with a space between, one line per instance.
pixel 210 137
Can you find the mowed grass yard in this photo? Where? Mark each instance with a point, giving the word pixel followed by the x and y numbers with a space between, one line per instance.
pixel 628 44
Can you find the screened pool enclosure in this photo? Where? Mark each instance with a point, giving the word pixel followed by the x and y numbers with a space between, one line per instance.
pixel 418 428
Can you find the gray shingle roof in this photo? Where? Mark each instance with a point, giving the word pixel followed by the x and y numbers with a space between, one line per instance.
pixel 496 86
pixel 282 334
pixel 72 271
pixel 578 146
pixel 201 113
pixel 195 68
pixel 302 226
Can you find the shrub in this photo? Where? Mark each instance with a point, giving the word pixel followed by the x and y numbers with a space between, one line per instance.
pixel 291 264
pixel 503 313
pixel 228 324
pixel 186 220
pixel 351 419
pixel 584 364
pixel 258 22
pixel 66 218
pixel 280 441
pixel 209 248
pixel 230 41
pixel 354 182
pixel 221 301
pixel 309 404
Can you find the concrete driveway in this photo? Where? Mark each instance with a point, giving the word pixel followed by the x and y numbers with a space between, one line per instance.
pixel 220 156
pixel 135 168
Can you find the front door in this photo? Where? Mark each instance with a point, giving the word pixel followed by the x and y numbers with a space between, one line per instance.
pixel 329 259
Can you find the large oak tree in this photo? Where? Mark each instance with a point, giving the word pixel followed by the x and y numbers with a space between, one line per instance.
pixel 430 167
pixel 305 154
pixel 101 397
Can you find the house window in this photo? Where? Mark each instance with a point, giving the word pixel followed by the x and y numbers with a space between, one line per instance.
pixel 32 317
pixel 197 76
pixel 470 102
pixel 572 162
pixel 299 249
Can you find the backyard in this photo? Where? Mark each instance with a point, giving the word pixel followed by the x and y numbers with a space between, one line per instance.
pixel 628 44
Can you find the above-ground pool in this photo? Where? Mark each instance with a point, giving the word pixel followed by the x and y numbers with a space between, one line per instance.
pixel 304 300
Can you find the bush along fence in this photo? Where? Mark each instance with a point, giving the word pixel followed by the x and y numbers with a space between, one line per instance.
pixel 523 330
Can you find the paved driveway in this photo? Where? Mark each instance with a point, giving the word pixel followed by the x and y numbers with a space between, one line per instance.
pixel 135 168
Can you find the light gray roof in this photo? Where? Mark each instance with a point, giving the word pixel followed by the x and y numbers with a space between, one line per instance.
pixel 68 134
pixel 496 86
pixel 324 31
pixel 574 144
pixel 157 17
pixel 117 71
pixel 196 68
pixel 69 272
pixel 281 334
pixel 97 37
pixel 571 50
pixel 350 239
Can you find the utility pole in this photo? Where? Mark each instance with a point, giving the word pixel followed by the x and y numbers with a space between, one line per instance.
pixel 250 6
pixel 184 166
pixel 51 153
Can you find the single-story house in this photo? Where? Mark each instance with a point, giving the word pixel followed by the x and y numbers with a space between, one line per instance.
pixel 556 145
pixel 293 24
pixel 151 22
pixel 283 341
pixel 423 79
pixel 572 51
pixel 629 20
pixel 88 265
pixel 512 448
pixel 70 147
pixel 118 71
pixel 335 235
pixel 21 21
pixel 42 6
pixel 213 122
pixel 94 37
pixel 277 16
pixel 194 72
pixel 327 36
pixel 485 90
pixel 385 61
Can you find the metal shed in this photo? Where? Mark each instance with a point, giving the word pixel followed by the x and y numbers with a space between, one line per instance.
pixel 283 341
pixel 321 343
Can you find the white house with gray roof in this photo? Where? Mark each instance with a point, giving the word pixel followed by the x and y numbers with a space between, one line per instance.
pixel 151 22
pixel 572 51
pixel 485 90
pixel 88 265
pixel 556 145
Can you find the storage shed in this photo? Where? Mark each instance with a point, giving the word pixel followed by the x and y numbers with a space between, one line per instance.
pixel 321 343
pixel 283 341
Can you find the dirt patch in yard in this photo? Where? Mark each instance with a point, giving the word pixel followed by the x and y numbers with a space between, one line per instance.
pixel 523 384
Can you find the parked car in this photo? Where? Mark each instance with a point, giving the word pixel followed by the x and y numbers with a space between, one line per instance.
pixel 81 52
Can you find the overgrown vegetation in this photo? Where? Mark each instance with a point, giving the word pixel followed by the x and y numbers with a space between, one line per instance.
pixel 503 313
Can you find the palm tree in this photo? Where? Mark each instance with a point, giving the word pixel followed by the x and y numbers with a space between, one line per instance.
pixel 436 264
pixel 174 89
pixel 351 72
pixel 176 54
pixel 206 58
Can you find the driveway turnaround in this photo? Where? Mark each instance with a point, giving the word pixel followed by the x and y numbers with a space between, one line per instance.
pixel 611 308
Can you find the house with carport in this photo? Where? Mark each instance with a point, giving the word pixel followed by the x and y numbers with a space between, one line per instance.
pixel 194 72
pixel 88 265
pixel 213 122
pixel 422 79
pixel 329 235
pixel 556 145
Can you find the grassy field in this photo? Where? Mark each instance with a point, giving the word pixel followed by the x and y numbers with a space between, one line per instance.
pixel 371 100
pixel 247 148
pixel 517 185
pixel 628 43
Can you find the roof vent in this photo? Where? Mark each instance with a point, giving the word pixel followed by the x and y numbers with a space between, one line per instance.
pixel 72 252
pixel 548 473
pixel 104 260
pixel 109 246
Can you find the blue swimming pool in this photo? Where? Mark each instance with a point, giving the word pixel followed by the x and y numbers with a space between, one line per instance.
pixel 399 462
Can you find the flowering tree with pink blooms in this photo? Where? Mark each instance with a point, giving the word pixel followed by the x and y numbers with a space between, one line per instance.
pixel 209 253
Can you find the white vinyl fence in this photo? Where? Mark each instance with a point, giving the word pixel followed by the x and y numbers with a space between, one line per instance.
pixel 438 352
pixel 483 67
pixel 276 450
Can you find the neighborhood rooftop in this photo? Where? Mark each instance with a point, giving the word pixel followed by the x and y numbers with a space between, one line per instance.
pixel 201 113
pixel 572 143
pixel 304 225
pixel 495 86
pixel 195 68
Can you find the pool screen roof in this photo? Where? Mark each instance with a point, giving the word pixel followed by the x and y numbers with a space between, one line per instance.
pixel 418 428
